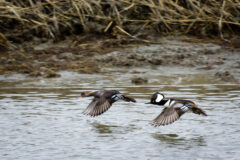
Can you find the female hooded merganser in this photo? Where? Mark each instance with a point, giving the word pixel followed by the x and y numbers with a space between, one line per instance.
pixel 174 109
pixel 103 100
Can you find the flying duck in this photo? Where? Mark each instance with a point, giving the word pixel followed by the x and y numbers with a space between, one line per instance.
pixel 102 101
pixel 174 109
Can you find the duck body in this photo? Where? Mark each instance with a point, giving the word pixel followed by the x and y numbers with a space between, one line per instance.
pixel 174 109
pixel 103 100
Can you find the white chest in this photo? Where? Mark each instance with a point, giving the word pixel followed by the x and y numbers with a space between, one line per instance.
pixel 169 103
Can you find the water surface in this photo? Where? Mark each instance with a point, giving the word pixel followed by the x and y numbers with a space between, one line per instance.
pixel 42 118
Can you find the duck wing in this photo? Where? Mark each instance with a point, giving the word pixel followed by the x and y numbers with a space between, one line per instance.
pixel 170 114
pixel 167 116
pixel 97 106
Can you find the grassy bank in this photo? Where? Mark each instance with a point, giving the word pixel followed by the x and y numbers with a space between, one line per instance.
pixel 22 21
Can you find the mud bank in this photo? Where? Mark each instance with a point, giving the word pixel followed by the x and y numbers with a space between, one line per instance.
pixel 75 54
pixel 91 54
pixel 221 59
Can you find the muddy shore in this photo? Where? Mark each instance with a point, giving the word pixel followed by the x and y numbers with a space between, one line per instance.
pixel 86 54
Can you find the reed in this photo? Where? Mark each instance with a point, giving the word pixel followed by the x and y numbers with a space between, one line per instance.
pixel 22 20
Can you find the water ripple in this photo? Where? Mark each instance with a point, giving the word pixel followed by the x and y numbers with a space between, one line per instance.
pixel 48 123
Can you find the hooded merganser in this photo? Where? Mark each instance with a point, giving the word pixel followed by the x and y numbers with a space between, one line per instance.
pixel 174 109
pixel 103 100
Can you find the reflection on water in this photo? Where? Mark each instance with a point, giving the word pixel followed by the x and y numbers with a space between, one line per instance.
pixel 108 130
pixel 174 139
pixel 169 138
pixel 42 119
pixel 103 129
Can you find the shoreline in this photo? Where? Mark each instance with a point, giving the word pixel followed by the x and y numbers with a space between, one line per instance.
pixel 96 54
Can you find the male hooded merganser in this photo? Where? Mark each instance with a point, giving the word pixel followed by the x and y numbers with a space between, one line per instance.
pixel 174 109
pixel 103 100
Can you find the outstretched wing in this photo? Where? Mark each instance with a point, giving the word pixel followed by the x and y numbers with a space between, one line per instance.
pixel 97 106
pixel 167 116
pixel 170 114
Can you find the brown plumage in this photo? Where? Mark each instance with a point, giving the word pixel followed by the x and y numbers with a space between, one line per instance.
pixel 174 109
pixel 103 100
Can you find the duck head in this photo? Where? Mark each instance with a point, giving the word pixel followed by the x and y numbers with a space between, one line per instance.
pixel 157 98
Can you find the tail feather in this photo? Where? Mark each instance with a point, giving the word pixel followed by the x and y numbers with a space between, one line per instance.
pixel 199 111
pixel 86 94
pixel 128 99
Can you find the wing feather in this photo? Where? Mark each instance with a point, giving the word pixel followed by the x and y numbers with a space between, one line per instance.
pixel 97 107
pixel 167 116
pixel 90 106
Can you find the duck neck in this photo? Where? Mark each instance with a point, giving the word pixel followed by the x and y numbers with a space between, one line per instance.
pixel 162 102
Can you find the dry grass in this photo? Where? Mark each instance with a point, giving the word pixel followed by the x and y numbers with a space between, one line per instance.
pixel 21 20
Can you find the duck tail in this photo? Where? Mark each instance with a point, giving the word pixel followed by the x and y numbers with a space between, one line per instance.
pixel 199 111
pixel 128 99
pixel 86 94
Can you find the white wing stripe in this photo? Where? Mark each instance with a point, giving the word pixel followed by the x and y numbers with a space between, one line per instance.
pixel 184 108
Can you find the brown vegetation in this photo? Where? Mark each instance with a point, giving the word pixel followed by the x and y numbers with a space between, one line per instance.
pixel 55 19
